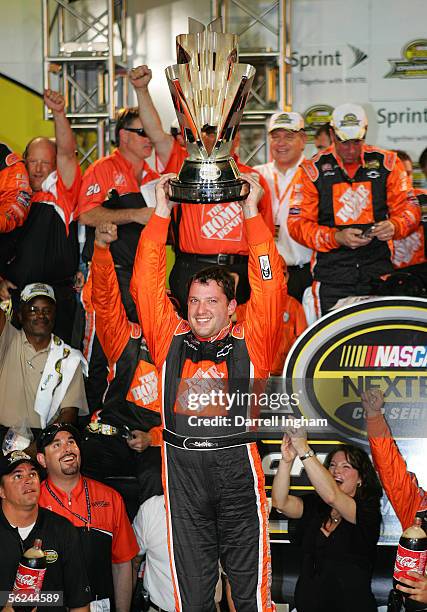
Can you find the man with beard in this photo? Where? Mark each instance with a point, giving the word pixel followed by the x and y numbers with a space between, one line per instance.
pixel 98 512
pixel 22 521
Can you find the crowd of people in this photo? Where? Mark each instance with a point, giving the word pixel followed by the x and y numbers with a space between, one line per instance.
pixel 98 359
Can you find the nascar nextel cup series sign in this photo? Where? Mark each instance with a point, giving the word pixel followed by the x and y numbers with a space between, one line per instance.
pixel 378 344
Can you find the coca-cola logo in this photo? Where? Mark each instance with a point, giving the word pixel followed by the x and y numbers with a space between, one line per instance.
pixel 26 579
pixel 410 562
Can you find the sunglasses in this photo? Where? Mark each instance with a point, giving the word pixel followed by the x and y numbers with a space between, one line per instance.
pixel 139 131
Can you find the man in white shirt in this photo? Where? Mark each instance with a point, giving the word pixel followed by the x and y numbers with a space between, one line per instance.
pixel 287 140
pixel 150 530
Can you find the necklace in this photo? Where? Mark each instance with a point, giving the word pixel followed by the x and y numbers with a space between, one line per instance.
pixel 335 518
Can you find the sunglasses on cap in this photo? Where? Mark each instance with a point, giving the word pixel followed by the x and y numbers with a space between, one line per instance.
pixel 139 131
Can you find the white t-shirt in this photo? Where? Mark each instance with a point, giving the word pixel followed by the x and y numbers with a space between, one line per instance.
pixel 294 254
pixel 151 533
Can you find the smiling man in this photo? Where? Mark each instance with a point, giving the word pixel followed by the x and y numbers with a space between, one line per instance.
pixel 22 521
pixel 214 484
pixel 41 378
pixel 287 139
pixel 107 538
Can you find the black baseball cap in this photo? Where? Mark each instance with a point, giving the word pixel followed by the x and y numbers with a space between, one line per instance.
pixel 48 435
pixel 10 461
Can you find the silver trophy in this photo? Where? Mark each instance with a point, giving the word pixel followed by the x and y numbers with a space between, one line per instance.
pixel 209 91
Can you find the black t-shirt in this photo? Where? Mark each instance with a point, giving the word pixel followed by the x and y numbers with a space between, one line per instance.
pixel 65 570
pixel 338 565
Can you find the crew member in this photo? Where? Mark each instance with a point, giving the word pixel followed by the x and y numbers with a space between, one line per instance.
pixel 401 486
pixel 22 521
pixel 46 248
pixel 124 437
pixel 98 512
pixel 287 140
pixel 214 485
pixel 347 203
pixel 15 190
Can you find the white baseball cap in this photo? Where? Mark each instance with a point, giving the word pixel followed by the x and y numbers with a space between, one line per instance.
pixel 349 122
pixel 37 290
pixel 286 121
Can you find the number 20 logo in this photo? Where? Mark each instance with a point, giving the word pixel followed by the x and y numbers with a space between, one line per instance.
pixel 92 189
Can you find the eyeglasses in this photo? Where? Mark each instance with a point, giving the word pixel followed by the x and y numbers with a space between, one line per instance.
pixel 139 131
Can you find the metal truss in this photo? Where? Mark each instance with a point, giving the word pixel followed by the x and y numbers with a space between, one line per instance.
pixel 84 57
pixel 263 29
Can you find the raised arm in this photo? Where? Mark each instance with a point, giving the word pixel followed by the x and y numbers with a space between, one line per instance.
pixel 400 485
pixel 291 505
pixel 112 326
pixel 66 159
pixel 148 285
pixel 268 288
pixel 322 480
pixel 150 119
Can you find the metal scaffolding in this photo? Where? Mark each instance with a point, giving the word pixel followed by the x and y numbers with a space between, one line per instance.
pixel 84 57
pixel 264 41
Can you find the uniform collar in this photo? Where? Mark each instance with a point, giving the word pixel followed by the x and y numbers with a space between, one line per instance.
pixel 63 495
pixel 291 168
pixel 219 336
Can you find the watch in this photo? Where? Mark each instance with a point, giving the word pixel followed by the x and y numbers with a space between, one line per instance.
pixel 309 453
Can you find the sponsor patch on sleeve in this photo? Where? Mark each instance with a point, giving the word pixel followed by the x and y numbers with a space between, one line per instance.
pixel 264 264
pixel 11 159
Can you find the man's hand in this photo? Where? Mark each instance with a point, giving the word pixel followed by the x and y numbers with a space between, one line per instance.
pixel 384 230
pixel 140 77
pixel 417 587
pixel 372 402
pixel 288 451
pixel 163 204
pixel 250 205
pixel 105 233
pixel 5 285
pixel 351 237
pixel 54 101
pixel 140 440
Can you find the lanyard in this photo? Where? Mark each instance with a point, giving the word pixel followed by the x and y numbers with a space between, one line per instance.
pixel 87 520
pixel 279 197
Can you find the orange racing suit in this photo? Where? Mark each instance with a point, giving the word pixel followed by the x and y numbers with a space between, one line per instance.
pixel 214 486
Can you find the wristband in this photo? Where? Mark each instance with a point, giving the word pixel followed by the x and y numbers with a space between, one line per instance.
pixel 309 453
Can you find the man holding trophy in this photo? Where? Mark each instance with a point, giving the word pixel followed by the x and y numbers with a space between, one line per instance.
pixel 211 232
pixel 213 480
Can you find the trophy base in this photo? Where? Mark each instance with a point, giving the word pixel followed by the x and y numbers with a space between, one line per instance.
pixel 208 193
pixel 198 183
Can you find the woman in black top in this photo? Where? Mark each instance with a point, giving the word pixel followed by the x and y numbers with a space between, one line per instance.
pixel 338 526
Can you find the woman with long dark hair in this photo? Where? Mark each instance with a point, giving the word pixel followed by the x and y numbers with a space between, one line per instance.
pixel 337 527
